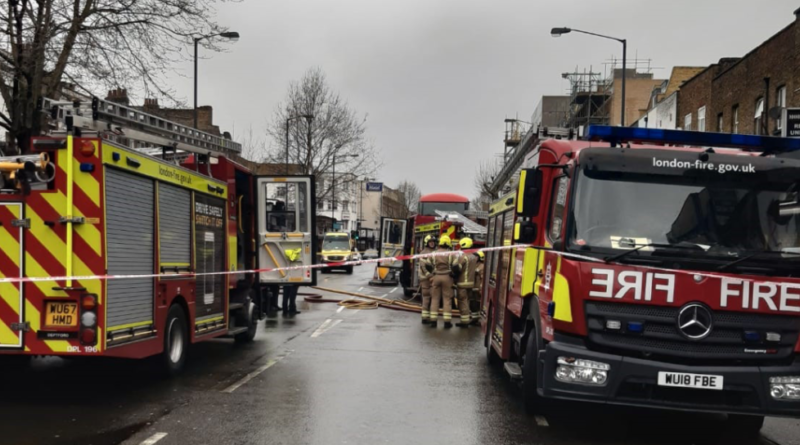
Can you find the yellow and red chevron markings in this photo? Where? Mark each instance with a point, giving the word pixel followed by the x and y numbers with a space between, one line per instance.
pixel 46 249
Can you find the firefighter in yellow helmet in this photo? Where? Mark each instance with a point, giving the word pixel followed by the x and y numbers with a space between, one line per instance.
pixel 442 283
pixel 465 280
pixel 425 274
pixel 477 289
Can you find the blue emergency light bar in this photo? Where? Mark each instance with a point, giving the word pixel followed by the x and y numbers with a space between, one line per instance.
pixel 619 135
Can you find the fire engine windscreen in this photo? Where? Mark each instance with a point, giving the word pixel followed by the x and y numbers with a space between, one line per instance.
pixel 717 206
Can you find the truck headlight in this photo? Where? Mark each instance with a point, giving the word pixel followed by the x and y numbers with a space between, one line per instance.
pixel 580 371
pixel 784 388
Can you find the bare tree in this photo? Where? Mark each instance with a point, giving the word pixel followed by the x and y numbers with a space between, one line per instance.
pixel 336 134
pixel 91 43
pixel 252 145
pixel 411 195
pixel 486 172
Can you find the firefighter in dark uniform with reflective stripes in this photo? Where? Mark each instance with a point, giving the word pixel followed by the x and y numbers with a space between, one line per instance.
pixel 465 281
pixel 442 283
pixel 425 278
pixel 475 298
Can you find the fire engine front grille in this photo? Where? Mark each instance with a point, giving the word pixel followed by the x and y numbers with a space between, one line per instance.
pixel 660 335
pixel 335 258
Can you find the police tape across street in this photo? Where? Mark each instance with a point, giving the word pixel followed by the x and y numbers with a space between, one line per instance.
pixel 353 263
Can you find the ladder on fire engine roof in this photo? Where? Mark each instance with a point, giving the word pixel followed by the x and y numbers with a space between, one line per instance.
pixel 512 167
pixel 123 123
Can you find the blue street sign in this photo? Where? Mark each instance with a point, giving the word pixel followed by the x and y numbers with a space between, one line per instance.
pixel 374 186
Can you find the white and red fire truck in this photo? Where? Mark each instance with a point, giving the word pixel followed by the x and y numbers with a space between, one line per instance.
pixel 89 204
pixel 657 269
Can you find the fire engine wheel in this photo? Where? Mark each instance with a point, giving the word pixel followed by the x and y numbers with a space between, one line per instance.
pixel 176 341
pixel 533 403
pixel 746 425
pixel 15 362
pixel 252 326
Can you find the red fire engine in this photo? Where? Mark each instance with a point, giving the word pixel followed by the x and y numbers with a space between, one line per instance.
pixel 91 202
pixel 429 221
pixel 657 272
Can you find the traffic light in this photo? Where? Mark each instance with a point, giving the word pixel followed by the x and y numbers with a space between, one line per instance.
pixel 354 234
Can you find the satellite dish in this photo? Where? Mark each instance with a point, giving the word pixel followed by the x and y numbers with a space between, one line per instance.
pixel 775 112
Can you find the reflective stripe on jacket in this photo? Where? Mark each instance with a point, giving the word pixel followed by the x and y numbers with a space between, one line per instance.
pixel 468 265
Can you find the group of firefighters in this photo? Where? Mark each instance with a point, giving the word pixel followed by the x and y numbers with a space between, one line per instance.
pixel 440 274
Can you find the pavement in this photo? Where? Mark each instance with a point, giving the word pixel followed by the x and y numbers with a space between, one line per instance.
pixel 326 376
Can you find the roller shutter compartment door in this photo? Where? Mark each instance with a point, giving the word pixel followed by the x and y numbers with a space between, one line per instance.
pixel 130 222
pixel 174 225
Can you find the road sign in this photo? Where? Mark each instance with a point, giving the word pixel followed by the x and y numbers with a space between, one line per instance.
pixel 337 226
pixel 374 186
pixel 790 121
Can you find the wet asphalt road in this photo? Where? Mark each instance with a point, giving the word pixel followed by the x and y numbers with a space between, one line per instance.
pixel 326 376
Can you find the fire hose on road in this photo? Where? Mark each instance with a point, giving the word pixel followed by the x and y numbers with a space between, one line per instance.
pixel 364 301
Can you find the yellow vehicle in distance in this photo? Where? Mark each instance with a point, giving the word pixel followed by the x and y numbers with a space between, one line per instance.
pixel 337 247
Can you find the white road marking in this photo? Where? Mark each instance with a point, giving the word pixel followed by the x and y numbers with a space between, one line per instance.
pixel 384 295
pixel 341 308
pixel 328 324
pixel 392 291
pixel 255 373
pixel 154 438
pixel 541 421
pixel 360 288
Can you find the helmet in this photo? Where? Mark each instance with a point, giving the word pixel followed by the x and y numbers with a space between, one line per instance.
pixel 445 241
pixel 465 243
pixel 428 238
pixel 481 255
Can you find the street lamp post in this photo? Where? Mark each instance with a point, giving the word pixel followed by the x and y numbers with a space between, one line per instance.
pixel 557 32
pixel 234 36
pixel 333 181
pixel 309 118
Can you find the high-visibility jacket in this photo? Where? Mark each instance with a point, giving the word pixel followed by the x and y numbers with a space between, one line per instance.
pixel 423 271
pixel 442 264
pixel 468 264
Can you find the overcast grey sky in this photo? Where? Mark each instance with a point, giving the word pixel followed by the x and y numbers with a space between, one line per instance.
pixel 437 77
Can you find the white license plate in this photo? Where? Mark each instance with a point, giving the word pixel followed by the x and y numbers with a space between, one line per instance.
pixel 686 380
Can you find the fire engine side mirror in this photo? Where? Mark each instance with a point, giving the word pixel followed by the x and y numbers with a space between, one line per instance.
pixel 529 192
pixel 525 232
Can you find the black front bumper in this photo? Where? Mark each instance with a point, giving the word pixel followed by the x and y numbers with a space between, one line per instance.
pixel 634 382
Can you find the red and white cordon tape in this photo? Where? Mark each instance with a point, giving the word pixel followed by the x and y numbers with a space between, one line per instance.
pixel 349 263
pixel 263 270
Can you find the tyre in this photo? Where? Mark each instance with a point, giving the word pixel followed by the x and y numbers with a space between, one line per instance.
pixel 534 404
pixel 176 341
pixel 349 270
pixel 744 425
pixel 250 318
pixel 15 362
pixel 491 355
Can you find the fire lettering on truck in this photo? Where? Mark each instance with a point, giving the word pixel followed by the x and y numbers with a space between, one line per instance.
pixel 641 285
pixel 778 297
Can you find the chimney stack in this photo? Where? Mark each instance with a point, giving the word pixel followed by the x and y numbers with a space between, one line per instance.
pixel 119 95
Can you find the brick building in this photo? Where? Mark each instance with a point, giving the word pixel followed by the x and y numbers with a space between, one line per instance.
pixel 735 95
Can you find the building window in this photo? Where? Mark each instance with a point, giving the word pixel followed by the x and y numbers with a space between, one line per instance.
pixel 758 119
pixel 345 225
pixel 687 122
pixel 720 127
pixel 780 101
pixel 735 119
pixel 321 205
pixel 345 206
pixel 335 205
pixel 701 119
